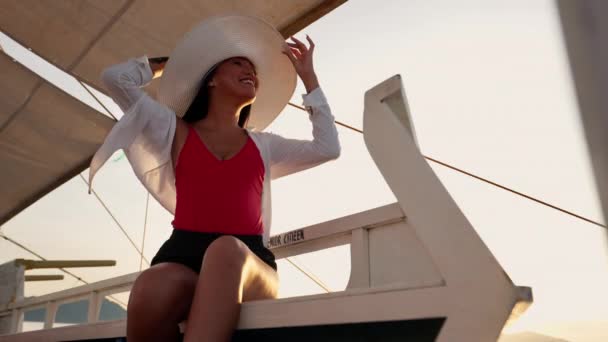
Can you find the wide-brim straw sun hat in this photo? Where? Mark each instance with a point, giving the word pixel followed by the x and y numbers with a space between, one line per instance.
pixel 221 37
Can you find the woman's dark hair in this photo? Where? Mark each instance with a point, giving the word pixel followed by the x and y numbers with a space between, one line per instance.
pixel 200 105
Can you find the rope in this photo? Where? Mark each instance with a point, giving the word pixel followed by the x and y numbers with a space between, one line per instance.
pixel 518 193
pixel 309 274
pixel 96 99
pixel 580 217
pixel 143 239
pixel 116 221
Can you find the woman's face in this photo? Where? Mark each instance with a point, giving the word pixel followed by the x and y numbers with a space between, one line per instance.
pixel 237 76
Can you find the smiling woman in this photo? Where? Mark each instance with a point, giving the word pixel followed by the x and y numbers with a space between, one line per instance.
pixel 195 151
pixel 200 105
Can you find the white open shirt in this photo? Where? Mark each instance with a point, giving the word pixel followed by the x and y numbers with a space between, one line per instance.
pixel 146 131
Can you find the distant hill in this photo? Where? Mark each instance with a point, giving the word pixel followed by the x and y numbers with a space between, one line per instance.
pixel 77 312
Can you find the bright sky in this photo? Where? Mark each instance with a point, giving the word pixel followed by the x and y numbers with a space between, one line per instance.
pixel 489 91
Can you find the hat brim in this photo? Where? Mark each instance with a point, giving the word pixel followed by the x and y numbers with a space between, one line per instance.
pixel 219 38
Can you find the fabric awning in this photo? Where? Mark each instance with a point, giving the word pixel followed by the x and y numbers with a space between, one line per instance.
pixel 47 136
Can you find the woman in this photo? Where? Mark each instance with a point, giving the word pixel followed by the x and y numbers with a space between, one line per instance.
pixel 217 181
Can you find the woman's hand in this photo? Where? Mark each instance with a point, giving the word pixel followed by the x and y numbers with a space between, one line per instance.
pixel 157 65
pixel 301 57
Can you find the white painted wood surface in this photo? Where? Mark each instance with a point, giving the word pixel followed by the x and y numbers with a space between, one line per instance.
pixel 12 279
pixel 477 295
pixel 585 29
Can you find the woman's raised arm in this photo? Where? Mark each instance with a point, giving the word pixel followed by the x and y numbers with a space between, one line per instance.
pixel 123 81
pixel 288 156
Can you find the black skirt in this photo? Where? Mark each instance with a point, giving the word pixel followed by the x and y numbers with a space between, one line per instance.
pixel 188 248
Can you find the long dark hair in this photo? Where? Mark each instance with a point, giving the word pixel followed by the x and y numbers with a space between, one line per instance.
pixel 200 105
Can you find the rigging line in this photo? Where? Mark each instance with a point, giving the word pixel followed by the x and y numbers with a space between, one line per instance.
pixel 116 221
pixel 39 256
pixel 21 246
pixel 517 193
pixel 143 239
pixel 309 274
pixel 337 122
pixel 45 259
pixel 567 212
pixel 96 99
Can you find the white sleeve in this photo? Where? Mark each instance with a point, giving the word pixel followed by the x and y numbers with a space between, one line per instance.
pixel 145 131
pixel 124 84
pixel 288 156
pixel 124 81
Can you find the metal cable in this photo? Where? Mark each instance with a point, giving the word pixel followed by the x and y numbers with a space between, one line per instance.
pixel 337 122
pixel 517 193
pixel 552 206
pixel 143 239
pixel 96 99
pixel 309 274
pixel 115 220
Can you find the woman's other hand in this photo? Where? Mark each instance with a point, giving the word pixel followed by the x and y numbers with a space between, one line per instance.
pixel 157 65
pixel 301 57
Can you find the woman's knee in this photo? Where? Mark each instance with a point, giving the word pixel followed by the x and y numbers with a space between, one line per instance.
pixel 163 288
pixel 226 252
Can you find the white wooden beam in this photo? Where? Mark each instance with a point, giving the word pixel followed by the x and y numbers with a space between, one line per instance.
pixel 473 277
pixel 359 260
pixel 585 29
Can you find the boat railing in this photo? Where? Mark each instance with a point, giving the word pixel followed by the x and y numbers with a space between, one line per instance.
pixel 350 230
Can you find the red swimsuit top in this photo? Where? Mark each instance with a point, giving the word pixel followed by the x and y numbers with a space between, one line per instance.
pixel 218 196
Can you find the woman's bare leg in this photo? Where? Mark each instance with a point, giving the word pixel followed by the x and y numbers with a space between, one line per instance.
pixel 230 274
pixel 160 299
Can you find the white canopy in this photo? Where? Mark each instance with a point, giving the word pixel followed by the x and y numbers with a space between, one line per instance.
pixel 46 136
